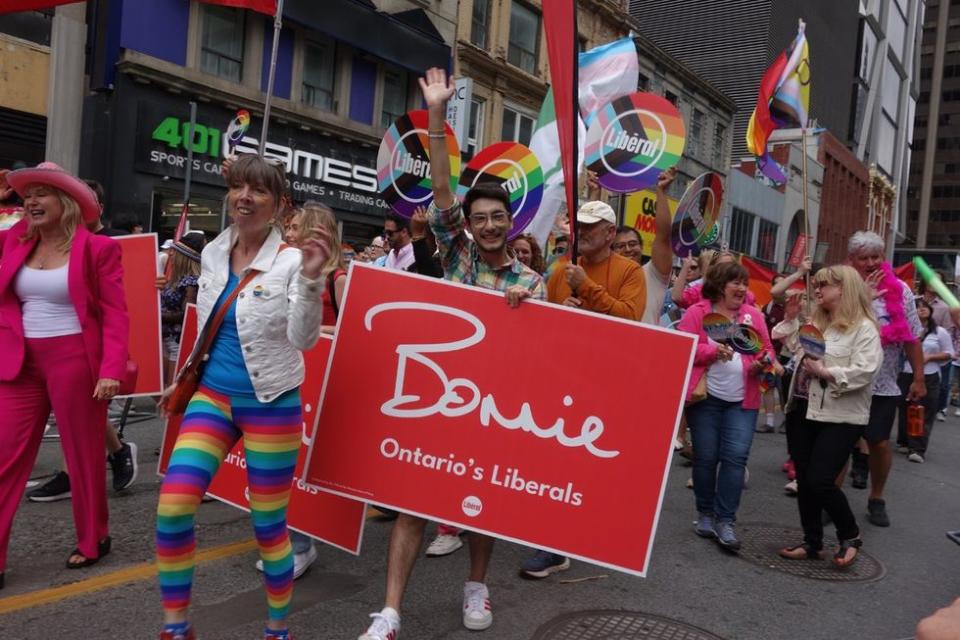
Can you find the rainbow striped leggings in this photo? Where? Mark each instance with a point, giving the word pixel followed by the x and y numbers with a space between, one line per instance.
pixel 212 425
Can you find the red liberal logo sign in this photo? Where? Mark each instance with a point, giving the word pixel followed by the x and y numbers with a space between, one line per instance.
pixel 544 425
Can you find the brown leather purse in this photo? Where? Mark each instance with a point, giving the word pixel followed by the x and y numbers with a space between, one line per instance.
pixel 188 380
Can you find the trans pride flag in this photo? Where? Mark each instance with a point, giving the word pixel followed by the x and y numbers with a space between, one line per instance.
pixel 783 101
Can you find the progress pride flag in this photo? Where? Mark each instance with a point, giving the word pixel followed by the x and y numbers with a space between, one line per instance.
pixel 443 402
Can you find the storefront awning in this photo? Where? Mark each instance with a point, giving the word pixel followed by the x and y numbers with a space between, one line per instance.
pixel 358 23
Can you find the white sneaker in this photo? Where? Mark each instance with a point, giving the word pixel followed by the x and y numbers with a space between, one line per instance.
pixel 678 445
pixel 956 412
pixel 443 545
pixel 385 626
pixel 942 416
pixel 689 483
pixel 477 614
pixel 915 457
pixel 301 562
pixel 790 488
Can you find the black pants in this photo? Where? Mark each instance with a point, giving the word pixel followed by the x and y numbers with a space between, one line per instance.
pixel 930 407
pixel 819 451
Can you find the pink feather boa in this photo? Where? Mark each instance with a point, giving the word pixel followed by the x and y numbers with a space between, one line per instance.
pixel 898 330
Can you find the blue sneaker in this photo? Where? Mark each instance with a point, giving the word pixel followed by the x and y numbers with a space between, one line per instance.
pixel 705 526
pixel 543 563
pixel 727 537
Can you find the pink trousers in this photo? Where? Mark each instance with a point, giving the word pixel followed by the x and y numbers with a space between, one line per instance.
pixel 56 375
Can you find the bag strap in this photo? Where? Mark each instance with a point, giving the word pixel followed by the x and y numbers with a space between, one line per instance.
pixel 217 320
pixel 331 285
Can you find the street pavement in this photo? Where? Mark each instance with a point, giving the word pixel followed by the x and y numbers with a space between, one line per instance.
pixel 690 579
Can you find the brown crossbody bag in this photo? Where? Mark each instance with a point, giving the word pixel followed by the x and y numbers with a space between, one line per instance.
pixel 188 380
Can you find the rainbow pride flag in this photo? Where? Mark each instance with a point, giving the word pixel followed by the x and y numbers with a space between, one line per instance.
pixel 782 101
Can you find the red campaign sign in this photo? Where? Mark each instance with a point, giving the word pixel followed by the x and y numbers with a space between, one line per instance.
pixel 139 259
pixel 543 425
pixel 324 516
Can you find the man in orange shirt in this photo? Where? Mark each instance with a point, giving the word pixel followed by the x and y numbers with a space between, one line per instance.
pixel 603 282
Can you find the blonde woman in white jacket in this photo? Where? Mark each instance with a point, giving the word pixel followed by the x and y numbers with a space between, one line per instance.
pixel 837 409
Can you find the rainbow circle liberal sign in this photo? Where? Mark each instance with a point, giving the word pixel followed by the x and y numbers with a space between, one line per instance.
pixel 514 168
pixel 633 140
pixel 403 163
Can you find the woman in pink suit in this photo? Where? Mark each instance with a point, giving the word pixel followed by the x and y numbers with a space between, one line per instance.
pixel 63 336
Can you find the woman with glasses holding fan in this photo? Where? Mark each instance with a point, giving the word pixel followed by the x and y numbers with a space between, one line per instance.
pixel 837 408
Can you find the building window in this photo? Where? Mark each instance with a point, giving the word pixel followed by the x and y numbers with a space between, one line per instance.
pixel 319 63
pixel 479 23
pixel 741 231
pixel 474 128
pixel 767 241
pixel 719 140
pixel 643 83
pixel 517 126
pixel 221 50
pixel 524 37
pixel 394 96
pixel 671 97
pixel 695 139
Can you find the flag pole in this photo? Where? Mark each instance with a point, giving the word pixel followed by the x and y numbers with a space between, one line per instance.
pixel 277 26
pixel 806 215
pixel 575 122
pixel 187 185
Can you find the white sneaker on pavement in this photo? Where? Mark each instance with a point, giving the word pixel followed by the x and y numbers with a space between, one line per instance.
pixel 956 412
pixel 941 416
pixel 301 562
pixel 477 614
pixel 443 545
pixel 790 488
pixel 385 626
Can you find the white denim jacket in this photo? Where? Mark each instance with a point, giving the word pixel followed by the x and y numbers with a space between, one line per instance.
pixel 278 312
pixel 853 358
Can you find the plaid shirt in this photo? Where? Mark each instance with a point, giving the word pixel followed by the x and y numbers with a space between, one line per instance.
pixel 461 260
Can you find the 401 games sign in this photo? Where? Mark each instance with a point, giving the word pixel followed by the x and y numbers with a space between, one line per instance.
pixel 318 167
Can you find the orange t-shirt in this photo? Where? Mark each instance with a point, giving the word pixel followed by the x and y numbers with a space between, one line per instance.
pixel 615 287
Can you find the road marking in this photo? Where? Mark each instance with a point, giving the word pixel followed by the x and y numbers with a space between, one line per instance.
pixel 113 579
pixel 121 576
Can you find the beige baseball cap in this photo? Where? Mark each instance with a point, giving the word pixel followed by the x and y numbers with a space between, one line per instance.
pixel 596 211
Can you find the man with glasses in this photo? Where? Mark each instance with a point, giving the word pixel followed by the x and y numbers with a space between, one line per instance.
pixel 480 261
pixel 397 232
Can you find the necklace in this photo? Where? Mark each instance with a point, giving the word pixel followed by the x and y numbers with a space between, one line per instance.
pixel 43 258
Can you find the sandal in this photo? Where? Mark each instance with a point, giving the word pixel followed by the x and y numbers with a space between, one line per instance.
pixel 840 557
pixel 103 548
pixel 803 551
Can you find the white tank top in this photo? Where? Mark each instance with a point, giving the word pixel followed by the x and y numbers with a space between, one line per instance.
pixel 45 302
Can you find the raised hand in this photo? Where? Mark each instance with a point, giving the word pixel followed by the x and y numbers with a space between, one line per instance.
pixel 436 87
pixel 316 251
pixel 6 192
pixel 418 223
pixel 666 179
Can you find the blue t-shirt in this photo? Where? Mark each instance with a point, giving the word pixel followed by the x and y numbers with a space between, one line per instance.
pixel 225 371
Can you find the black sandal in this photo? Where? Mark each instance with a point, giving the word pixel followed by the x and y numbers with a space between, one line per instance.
pixel 809 553
pixel 839 558
pixel 103 548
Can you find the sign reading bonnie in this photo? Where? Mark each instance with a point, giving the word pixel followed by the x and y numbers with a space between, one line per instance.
pixel 697 213
pixel 632 140
pixel 514 168
pixel 403 163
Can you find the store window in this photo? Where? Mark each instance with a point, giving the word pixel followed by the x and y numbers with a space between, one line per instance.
pixel 474 128
pixel 517 126
pixel 205 214
pixel 221 49
pixel 395 89
pixel 741 231
pixel 319 71
pixel 480 23
pixel 767 241
pixel 524 37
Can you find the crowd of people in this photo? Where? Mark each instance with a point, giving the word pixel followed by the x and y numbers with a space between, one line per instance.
pixel 65 331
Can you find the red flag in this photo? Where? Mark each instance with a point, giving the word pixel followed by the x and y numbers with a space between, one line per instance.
pixel 12 6
pixel 560 27
pixel 268 7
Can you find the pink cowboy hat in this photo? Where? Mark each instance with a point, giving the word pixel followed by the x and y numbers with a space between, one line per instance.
pixel 51 174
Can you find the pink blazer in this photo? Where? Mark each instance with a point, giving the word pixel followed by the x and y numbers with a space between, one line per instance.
pixel 95 277
pixel 706 355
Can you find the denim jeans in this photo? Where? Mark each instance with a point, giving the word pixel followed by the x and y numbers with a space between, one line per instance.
pixel 301 543
pixel 722 433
